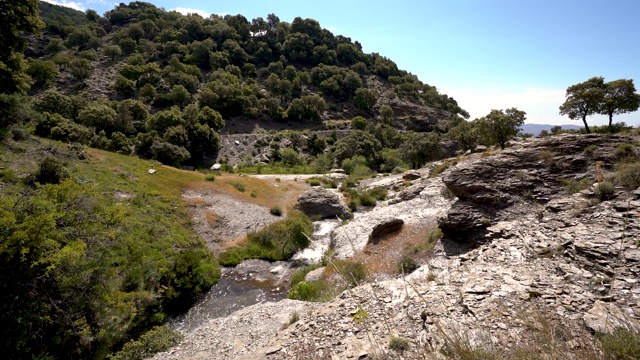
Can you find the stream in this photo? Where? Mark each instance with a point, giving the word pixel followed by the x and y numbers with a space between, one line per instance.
pixel 253 282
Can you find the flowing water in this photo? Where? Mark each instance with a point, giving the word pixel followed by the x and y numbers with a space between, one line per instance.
pixel 253 282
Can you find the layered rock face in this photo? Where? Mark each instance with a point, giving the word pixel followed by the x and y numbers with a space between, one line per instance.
pixel 519 180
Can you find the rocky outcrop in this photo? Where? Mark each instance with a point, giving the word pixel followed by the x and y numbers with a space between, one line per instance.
pixel 322 202
pixel 384 228
pixel 512 182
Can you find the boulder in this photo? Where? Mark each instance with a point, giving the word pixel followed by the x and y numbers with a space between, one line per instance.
pixel 216 166
pixel 322 202
pixel 411 175
pixel 605 318
pixel 314 275
pixel 337 171
pixel 386 227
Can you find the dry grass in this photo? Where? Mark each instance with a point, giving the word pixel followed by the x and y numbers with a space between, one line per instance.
pixel 212 218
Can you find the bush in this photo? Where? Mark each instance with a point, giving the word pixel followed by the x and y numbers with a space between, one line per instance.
pixel 51 171
pixel 573 186
pixel 352 272
pixel 625 152
pixel 275 210
pixel 157 339
pixel 238 185
pixel 314 182
pixel 627 175
pixel 311 291
pixel 399 344
pixel 604 189
pixel 407 265
pixel 210 177
pixel 278 241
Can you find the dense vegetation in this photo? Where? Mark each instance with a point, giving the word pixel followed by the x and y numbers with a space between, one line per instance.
pixel 93 252
pixel 179 77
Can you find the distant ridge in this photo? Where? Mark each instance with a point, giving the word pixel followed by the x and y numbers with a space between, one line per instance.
pixel 535 129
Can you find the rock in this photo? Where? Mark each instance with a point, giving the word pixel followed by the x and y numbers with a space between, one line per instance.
pixel 606 317
pixel 386 227
pixel 322 202
pixel 216 166
pixel 314 275
pixel 411 175
pixel 152 171
pixel 337 171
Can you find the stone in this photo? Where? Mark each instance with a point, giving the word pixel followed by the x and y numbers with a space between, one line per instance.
pixel 606 317
pixel 411 175
pixel 216 166
pixel 314 275
pixel 322 202
pixel 151 171
pixel 337 171
pixel 386 227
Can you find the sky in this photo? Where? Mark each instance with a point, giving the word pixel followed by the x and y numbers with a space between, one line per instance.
pixel 486 54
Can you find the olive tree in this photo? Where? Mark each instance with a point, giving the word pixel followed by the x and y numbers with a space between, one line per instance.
pixel 499 126
pixel 619 97
pixel 584 99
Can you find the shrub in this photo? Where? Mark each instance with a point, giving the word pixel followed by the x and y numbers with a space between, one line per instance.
pixel 254 194
pixel 50 171
pixel 604 189
pixel 399 344
pixel 627 175
pixel 352 272
pixel 407 265
pixel 573 186
pixel 238 185
pixel 157 339
pixel 311 291
pixel 625 152
pixel 331 184
pixel 314 182
pixel 275 210
pixel 210 177
pixel 367 200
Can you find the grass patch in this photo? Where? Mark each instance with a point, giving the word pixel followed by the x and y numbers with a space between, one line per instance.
pixel 313 182
pixel 399 344
pixel 573 186
pixel 210 177
pixel 299 275
pixel 238 185
pixel 316 291
pixel 275 210
pixel 429 242
pixel 367 198
pixel 627 175
pixel 353 272
pixel 278 241
pixel 622 344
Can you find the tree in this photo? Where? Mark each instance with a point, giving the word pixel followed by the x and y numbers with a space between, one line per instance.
pixel 365 99
pixel 386 114
pixel 465 134
pixel 418 148
pixel 113 51
pixel 16 17
pixel 619 98
pixel 499 126
pixel 41 72
pixel 179 95
pixel 358 123
pixel 81 69
pixel 584 99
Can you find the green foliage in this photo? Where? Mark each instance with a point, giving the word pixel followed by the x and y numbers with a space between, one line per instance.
pixel 573 186
pixel 465 134
pixel 386 114
pixel 290 157
pixel 16 18
pixel 358 123
pixel 315 291
pixel 41 72
pixel 353 272
pixel 210 177
pixel 621 344
pixel 399 344
pixel 365 99
pixel 619 97
pixel 584 99
pixel 156 340
pixel 238 185
pixel 499 126
pixel 124 87
pixel 278 241
pixel 625 152
pixel 419 148
pixel 627 175
pixel 51 171
pixel 358 142
pixel 80 69
pixel 604 189
pixel 275 210
pixel 407 265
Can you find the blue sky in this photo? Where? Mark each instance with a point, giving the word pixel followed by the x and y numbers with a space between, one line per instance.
pixel 487 54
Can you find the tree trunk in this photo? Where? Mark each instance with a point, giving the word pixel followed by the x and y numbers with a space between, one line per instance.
pixel 586 127
pixel 611 121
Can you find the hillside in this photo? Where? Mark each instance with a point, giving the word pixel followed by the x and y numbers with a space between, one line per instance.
pixel 158 76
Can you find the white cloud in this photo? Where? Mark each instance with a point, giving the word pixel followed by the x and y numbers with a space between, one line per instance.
pixel 185 11
pixel 70 4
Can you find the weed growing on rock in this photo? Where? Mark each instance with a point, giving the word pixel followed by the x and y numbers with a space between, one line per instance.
pixel 399 344
pixel 571 186
pixel 621 344
pixel 407 265
pixel 627 175
pixel 275 210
